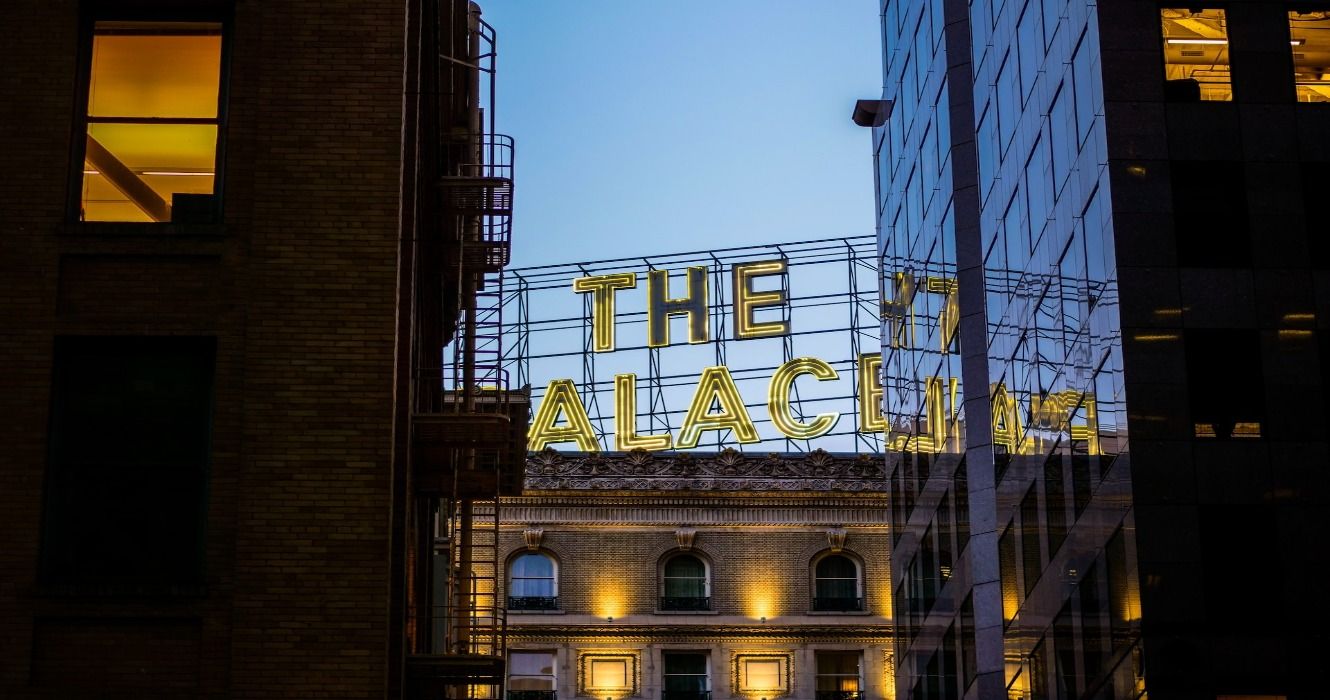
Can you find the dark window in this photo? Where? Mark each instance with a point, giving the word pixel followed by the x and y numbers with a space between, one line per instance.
pixel 1210 213
pixel 1031 560
pixel 151 119
pixel 684 584
pixel 131 427
pixel 1055 500
pixel 1225 387
pixel 686 677
pixel 1011 597
pixel 838 675
pixel 836 584
pixel 1315 184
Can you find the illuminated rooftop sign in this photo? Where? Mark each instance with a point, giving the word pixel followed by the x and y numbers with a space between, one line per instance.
pixel 774 348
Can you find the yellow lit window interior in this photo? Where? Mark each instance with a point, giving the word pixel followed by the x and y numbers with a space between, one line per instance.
pixel 152 119
pixel 1196 54
pixel 1309 33
pixel 761 674
pixel 609 674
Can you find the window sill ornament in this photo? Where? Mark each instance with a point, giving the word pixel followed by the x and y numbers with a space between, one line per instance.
pixel 685 536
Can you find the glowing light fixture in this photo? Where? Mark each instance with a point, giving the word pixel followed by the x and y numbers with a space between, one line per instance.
pixel 1204 42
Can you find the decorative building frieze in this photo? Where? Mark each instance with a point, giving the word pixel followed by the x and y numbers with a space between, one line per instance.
pixel 718 515
pixel 532 536
pixel 727 471
pixel 836 539
pixel 723 634
pixel 685 536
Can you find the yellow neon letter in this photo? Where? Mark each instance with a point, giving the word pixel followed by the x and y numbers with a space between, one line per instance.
pixel 561 399
pixel 1008 428
pixel 716 386
pixel 625 419
pixel 660 307
pixel 870 394
pixel 746 300
pixel 778 398
pixel 949 319
pixel 899 311
pixel 602 289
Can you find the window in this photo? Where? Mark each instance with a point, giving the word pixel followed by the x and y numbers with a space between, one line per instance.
pixel 152 118
pixel 761 675
pixel 531 675
pixel 686 677
pixel 839 676
pixel 836 584
pixel 1210 213
pixel 1196 55
pixel 532 582
pixel 684 584
pixel 1309 37
pixel 607 675
pixel 1225 387
pixel 131 430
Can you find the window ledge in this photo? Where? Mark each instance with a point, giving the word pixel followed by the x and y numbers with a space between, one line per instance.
pixel 120 590
pixel 536 612
pixel 839 612
pixel 134 228
pixel 686 612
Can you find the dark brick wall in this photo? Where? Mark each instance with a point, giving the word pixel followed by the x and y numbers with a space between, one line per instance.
pixel 298 286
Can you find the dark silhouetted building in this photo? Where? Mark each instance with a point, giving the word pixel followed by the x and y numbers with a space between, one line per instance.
pixel 254 428
pixel 1105 293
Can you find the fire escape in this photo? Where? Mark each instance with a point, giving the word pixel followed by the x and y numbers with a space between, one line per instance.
pixel 468 426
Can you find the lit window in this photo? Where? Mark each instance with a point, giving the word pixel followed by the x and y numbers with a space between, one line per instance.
pixel 684 584
pixel 1196 55
pixel 686 677
pixel 1309 34
pixel 150 149
pixel 608 675
pixel 761 675
pixel 836 584
pixel 531 675
pixel 838 675
pixel 532 583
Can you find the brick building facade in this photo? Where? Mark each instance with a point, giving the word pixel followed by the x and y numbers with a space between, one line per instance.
pixel 684 569
pixel 226 274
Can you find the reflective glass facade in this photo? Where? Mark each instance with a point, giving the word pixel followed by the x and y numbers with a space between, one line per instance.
pixel 1081 239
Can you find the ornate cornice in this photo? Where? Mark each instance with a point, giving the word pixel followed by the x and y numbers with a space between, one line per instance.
pixel 728 633
pixel 725 471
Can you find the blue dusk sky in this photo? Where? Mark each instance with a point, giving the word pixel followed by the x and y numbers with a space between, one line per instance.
pixel 657 127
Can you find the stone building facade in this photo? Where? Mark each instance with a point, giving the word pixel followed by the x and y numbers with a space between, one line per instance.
pixel 686 577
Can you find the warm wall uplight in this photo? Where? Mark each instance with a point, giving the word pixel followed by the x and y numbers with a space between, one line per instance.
pixel 1309 33
pixel 609 596
pixel 1196 63
pixel 760 598
pixel 152 121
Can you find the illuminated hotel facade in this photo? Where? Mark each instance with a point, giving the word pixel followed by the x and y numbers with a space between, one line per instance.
pixel 1104 345
pixel 698 576
pixel 250 268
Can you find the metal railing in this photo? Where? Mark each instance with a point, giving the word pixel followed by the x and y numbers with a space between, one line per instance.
pixel 532 695
pixel 839 695
pixel 685 603
pixel 837 604
pixel 533 602
pixel 685 695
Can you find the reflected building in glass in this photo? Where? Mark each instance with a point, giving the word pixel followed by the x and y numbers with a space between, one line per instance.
pixel 1096 221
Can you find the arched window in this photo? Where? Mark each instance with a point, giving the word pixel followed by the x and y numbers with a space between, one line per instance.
pixel 836 585
pixel 684 584
pixel 533 583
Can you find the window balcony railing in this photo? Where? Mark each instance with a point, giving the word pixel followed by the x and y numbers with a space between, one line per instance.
pixel 533 603
pixel 838 604
pixel 692 603
pixel 532 695
pixel 685 695
pixel 840 695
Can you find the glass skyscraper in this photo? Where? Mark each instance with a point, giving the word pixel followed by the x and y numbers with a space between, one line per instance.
pixel 1098 219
